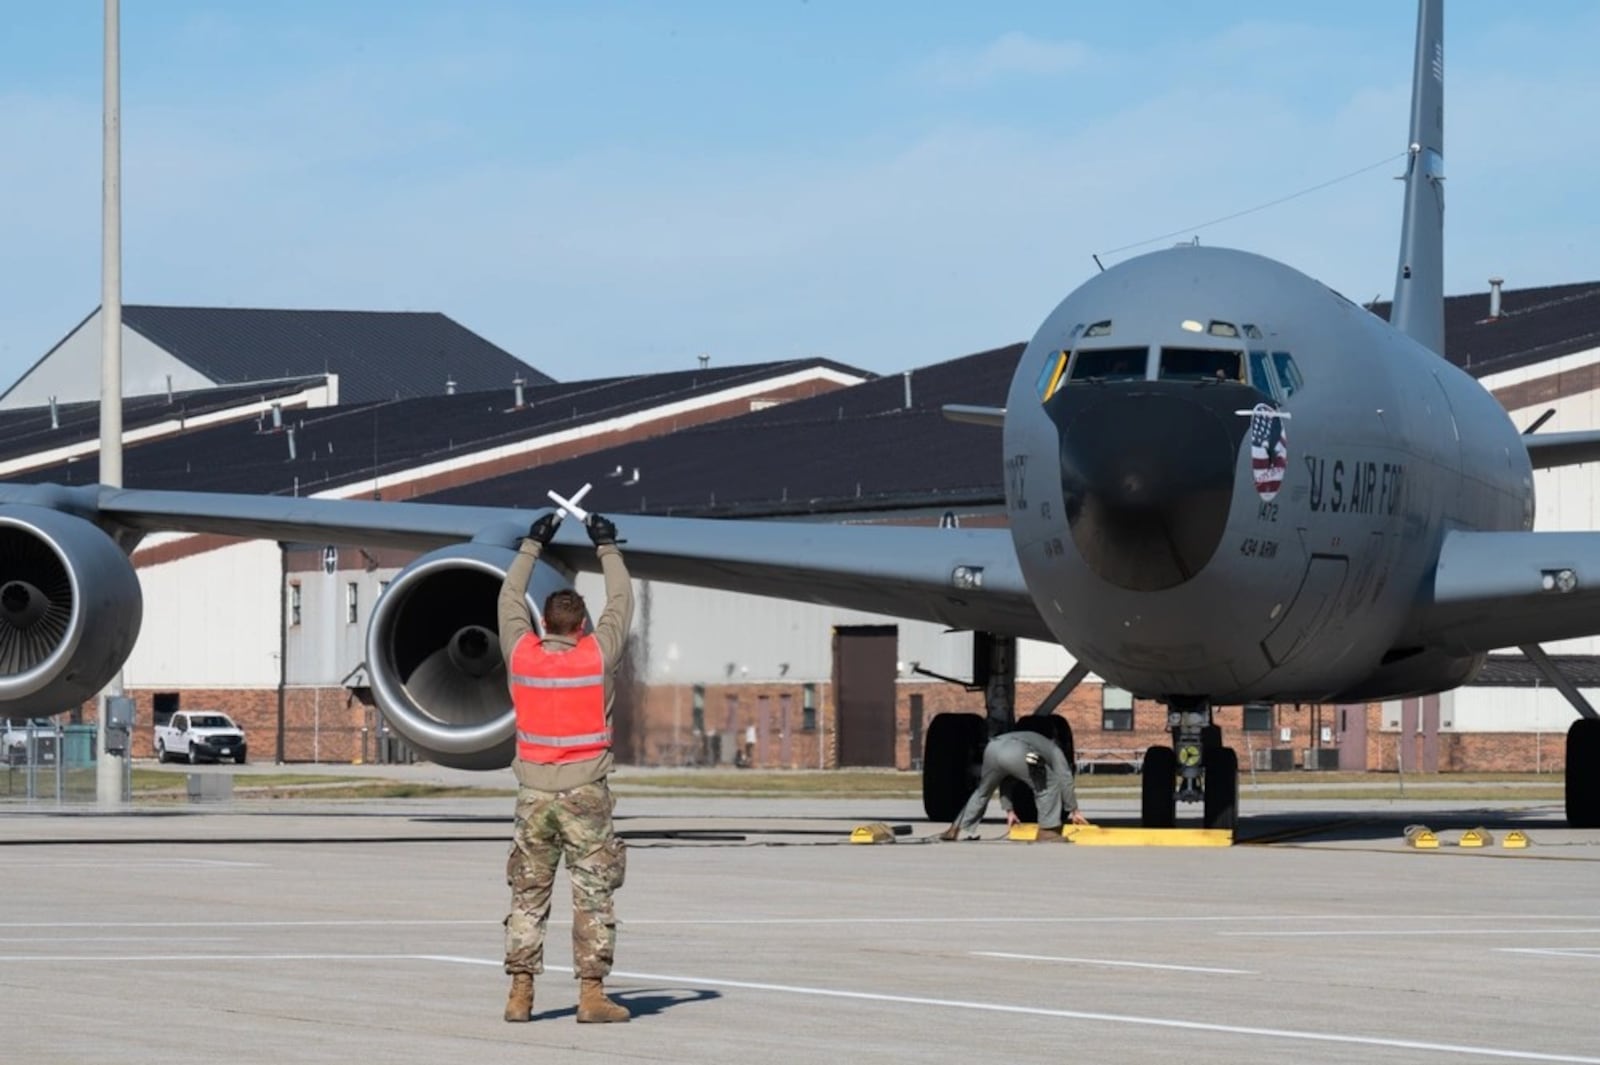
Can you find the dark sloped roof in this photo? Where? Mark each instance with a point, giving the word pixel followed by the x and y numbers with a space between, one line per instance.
pixel 338 446
pixel 859 448
pixel 1515 671
pixel 1535 324
pixel 377 354
pixel 27 430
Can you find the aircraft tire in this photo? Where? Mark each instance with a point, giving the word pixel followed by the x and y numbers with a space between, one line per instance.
pixel 1158 796
pixel 951 753
pixel 1056 728
pixel 1221 788
pixel 1583 773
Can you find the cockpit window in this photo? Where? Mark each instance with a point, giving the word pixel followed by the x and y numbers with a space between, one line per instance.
pixel 1261 376
pixel 1110 364
pixel 1201 364
pixel 1288 373
pixel 1050 375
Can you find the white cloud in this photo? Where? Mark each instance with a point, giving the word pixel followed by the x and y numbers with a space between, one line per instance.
pixel 1010 55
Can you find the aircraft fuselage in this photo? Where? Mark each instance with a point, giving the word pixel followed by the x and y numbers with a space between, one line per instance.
pixel 1226 480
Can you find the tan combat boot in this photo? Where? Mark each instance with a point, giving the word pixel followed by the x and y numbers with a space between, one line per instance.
pixel 519 1004
pixel 594 1007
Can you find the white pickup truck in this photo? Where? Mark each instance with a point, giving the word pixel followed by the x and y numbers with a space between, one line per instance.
pixel 199 735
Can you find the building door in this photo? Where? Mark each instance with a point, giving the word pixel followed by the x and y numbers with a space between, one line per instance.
pixel 1350 732
pixel 863 684
pixel 1419 735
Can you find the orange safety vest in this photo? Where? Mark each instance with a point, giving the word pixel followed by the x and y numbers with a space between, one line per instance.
pixel 560 698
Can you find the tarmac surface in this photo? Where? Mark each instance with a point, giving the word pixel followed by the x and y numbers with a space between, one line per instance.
pixel 306 931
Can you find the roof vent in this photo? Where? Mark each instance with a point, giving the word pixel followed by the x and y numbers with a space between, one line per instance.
pixel 705 360
pixel 1494 296
pixel 516 383
pixel 449 386
pixel 55 415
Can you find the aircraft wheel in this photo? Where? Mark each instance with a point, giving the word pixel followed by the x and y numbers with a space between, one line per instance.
pixel 1583 773
pixel 1158 795
pixel 1221 788
pixel 1057 728
pixel 951 753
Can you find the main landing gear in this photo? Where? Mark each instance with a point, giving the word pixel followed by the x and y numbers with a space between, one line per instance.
pixel 952 753
pixel 1583 744
pixel 1196 768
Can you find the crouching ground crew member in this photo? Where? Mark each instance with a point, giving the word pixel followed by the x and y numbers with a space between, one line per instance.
pixel 1036 761
pixel 561 686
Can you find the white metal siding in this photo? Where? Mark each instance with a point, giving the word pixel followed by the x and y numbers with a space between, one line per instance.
pixel 210 621
pixel 698 636
pixel 324 648
pixel 71 372
pixel 1500 710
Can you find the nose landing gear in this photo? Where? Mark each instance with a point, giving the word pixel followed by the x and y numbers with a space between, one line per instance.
pixel 1196 768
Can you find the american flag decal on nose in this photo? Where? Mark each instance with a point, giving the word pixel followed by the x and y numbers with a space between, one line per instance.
pixel 1269 449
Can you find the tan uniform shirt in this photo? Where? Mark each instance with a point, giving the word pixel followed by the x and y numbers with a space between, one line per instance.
pixel 610 629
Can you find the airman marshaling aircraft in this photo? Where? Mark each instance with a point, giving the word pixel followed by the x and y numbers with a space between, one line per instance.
pixel 1226 483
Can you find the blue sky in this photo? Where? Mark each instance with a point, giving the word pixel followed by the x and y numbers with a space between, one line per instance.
pixel 612 188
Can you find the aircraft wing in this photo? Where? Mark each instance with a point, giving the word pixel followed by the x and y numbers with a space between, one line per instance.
pixel 1562 449
pixel 1503 589
pixel 963 578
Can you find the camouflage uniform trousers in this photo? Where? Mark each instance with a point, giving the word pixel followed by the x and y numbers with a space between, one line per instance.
pixel 575 823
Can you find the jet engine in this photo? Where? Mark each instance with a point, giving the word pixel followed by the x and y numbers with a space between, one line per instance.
pixel 433 653
pixel 70 608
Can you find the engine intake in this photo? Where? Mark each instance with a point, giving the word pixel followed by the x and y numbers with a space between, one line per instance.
pixel 433 652
pixel 70 608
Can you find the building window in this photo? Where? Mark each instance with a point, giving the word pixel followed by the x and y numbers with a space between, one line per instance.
pixel 808 708
pixel 294 604
pixel 352 602
pixel 700 708
pixel 1116 709
pixel 1258 717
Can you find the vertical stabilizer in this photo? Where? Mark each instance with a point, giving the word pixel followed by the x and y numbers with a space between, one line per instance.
pixel 1419 281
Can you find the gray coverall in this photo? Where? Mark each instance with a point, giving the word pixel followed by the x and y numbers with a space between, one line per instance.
pixel 1050 779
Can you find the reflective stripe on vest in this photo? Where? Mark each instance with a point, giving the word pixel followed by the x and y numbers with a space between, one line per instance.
pixel 557 682
pixel 565 741
pixel 560 701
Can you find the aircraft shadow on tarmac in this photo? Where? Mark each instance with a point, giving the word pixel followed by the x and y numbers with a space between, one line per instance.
pixel 1368 825
pixel 646 1002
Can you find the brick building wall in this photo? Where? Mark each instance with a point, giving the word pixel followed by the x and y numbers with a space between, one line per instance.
pixel 764 725
pixel 320 724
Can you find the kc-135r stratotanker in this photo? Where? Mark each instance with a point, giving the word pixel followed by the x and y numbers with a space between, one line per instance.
pixel 1226 483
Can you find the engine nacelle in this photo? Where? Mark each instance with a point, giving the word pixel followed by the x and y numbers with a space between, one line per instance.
pixel 433 652
pixel 70 608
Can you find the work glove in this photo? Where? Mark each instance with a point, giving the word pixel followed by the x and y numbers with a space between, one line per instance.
pixel 544 530
pixel 601 530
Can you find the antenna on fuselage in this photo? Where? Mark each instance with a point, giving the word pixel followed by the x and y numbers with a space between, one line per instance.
pixel 1419 279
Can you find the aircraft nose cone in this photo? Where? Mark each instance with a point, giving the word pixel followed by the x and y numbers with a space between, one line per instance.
pixel 1147 472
